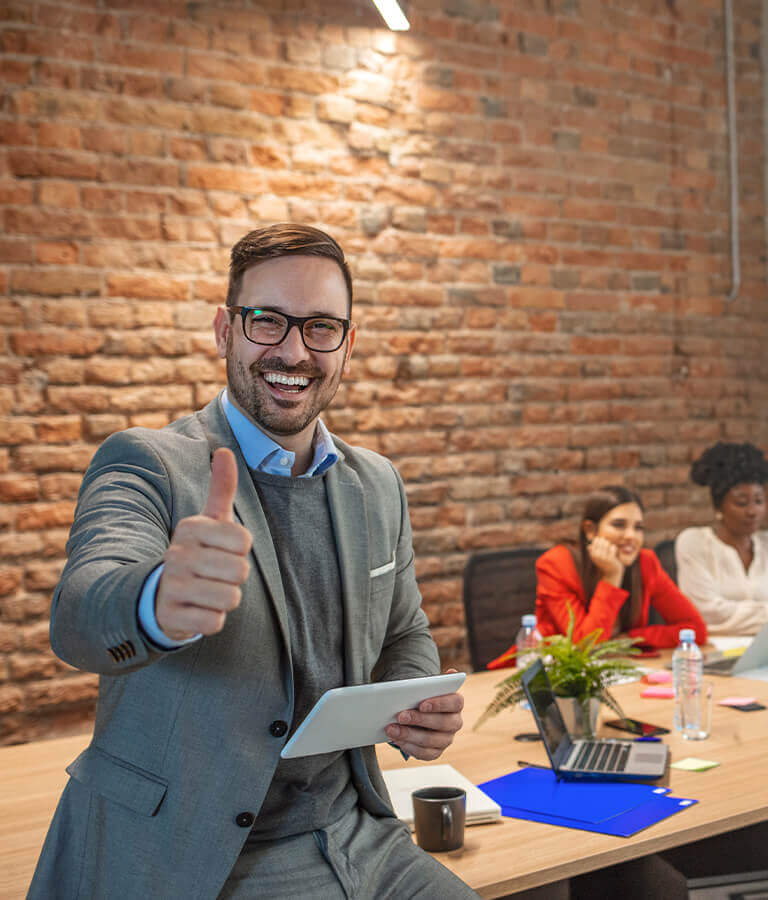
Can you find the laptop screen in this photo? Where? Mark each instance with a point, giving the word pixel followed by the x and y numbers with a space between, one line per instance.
pixel 546 711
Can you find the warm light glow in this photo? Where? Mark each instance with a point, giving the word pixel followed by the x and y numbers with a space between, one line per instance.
pixel 392 14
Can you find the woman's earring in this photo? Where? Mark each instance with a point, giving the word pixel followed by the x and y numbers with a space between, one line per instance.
pixel 718 516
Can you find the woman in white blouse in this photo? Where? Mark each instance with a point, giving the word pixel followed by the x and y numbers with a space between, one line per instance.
pixel 723 567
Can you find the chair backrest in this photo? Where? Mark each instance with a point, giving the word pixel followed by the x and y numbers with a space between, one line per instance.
pixel 665 550
pixel 499 588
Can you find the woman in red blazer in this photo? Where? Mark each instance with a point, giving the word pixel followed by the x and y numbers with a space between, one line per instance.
pixel 609 581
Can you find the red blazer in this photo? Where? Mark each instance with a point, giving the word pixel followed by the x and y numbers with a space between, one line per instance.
pixel 559 585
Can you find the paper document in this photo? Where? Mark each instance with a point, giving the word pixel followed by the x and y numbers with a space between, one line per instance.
pixel 402 782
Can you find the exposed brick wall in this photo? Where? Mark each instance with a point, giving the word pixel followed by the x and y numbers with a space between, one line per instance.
pixel 534 197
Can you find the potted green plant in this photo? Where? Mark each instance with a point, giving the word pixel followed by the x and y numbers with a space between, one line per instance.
pixel 581 670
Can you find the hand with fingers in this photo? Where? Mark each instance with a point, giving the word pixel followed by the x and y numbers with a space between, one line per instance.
pixel 605 556
pixel 206 561
pixel 426 731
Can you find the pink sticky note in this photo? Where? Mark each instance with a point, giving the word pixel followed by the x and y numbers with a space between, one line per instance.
pixel 736 701
pixel 666 693
pixel 658 677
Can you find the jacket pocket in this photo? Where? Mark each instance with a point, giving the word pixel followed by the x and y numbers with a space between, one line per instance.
pixel 117 780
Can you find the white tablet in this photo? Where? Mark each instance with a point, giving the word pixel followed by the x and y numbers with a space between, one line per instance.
pixel 356 716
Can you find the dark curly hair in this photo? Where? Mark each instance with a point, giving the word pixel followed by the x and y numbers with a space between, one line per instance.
pixel 724 465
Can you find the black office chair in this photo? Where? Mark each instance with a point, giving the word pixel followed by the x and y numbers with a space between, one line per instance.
pixel 665 550
pixel 499 588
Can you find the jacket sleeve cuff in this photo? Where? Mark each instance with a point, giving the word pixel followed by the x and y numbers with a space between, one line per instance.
pixel 146 615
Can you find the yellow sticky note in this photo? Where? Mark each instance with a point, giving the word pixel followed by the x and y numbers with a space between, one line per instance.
pixel 692 764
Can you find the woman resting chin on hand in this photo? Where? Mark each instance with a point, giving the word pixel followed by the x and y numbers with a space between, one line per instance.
pixel 608 581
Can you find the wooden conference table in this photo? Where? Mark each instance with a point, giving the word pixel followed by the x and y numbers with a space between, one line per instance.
pixel 496 859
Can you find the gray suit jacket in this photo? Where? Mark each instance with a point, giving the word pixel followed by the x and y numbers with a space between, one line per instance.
pixel 182 742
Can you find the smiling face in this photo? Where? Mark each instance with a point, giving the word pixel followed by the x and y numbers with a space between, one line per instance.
pixel 743 509
pixel 285 387
pixel 623 527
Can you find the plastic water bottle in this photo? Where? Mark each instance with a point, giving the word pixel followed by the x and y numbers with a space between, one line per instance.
pixel 688 678
pixel 528 638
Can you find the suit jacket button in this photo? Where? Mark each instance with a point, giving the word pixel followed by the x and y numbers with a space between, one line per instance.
pixel 244 819
pixel 278 728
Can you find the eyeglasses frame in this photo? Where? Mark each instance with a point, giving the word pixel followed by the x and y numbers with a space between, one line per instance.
pixel 298 321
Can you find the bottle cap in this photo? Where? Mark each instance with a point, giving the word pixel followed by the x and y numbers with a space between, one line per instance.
pixel 687 635
pixel 529 620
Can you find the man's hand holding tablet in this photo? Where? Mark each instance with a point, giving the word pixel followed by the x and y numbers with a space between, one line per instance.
pixel 426 731
pixel 365 714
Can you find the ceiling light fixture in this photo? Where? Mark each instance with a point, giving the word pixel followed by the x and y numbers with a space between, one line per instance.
pixel 392 14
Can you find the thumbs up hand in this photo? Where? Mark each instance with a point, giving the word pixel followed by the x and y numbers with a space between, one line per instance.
pixel 206 561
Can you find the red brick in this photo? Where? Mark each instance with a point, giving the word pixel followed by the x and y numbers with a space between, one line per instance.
pixel 47 223
pixel 269 103
pixel 54 459
pixel 15 71
pixel 235 69
pixel 53 164
pixel 32 665
pixel 156 174
pixel 55 282
pixel 215 120
pixel 51 134
pixel 137 57
pixel 47 343
pixel 64 370
pixel 13 546
pixel 40 695
pixel 41 516
pixel 15 251
pixel 56 253
pixel 10 580
pixel 59 429
pixel 302 80
pixel 42 576
pixel 225 178
pixel 16 431
pixel 11 699
pixel 147 286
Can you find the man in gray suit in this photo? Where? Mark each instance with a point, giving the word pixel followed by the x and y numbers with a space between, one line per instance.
pixel 222 573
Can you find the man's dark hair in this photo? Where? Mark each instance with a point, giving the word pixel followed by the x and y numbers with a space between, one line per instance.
pixel 724 465
pixel 283 239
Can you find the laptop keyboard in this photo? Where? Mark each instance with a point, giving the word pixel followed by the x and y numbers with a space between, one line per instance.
pixel 603 756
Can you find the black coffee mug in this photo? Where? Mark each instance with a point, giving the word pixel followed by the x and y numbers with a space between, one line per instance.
pixel 439 814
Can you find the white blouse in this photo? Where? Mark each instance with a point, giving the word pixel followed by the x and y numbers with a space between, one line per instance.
pixel 712 575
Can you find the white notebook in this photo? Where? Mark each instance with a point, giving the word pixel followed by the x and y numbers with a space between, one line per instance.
pixel 401 782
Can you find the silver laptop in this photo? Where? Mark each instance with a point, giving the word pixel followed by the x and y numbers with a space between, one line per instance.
pixel 752 663
pixel 596 759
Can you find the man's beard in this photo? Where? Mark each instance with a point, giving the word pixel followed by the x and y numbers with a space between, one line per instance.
pixel 273 415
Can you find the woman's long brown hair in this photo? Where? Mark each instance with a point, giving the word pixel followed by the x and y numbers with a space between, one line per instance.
pixel 597 505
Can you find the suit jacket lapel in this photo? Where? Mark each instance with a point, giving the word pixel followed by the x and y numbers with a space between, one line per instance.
pixel 349 520
pixel 248 509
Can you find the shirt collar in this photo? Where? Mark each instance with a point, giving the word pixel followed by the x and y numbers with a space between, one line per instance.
pixel 265 455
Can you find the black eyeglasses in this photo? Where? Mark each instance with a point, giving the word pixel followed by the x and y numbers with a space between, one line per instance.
pixel 267 327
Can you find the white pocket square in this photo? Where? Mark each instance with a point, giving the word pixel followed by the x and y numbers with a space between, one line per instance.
pixel 387 567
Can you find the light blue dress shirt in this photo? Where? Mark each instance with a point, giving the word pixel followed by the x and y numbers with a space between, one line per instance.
pixel 262 454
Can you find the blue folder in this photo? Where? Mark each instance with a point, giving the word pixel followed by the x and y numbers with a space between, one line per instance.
pixel 617 808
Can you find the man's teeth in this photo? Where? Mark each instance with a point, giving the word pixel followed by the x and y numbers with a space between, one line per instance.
pixel 278 378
